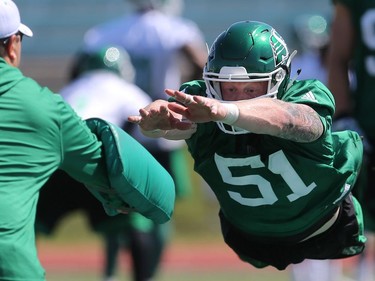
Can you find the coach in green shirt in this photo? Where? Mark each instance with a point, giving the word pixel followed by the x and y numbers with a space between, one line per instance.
pixel 40 133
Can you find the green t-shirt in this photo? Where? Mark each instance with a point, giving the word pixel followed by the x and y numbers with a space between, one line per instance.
pixel 39 133
pixel 268 186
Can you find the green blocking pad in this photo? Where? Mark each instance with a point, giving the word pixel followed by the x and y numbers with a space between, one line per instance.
pixel 136 178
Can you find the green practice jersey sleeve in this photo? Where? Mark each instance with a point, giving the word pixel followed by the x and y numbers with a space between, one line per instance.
pixel 39 133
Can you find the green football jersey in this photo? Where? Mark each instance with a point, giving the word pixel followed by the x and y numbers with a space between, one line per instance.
pixel 268 186
pixel 363 15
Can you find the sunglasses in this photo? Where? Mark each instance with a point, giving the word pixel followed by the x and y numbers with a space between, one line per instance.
pixel 19 33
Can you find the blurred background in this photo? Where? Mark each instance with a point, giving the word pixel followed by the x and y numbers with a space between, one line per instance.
pixel 58 28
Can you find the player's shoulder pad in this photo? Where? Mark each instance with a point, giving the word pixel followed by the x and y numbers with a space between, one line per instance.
pixel 134 174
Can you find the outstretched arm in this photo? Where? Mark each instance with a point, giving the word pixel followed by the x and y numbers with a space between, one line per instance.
pixel 296 122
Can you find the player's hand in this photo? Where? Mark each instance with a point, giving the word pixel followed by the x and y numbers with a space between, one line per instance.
pixel 157 116
pixel 196 108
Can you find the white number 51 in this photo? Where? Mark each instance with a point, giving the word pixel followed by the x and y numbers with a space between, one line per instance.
pixel 277 164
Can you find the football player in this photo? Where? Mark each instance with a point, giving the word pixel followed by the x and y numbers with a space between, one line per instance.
pixel 263 143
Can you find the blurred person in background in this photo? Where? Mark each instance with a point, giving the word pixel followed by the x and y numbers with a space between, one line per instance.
pixel 351 78
pixel 155 40
pixel 164 49
pixel 102 86
pixel 263 143
pixel 311 32
pixel 41 133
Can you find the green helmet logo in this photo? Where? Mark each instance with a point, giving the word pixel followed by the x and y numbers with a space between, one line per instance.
pixel 279 48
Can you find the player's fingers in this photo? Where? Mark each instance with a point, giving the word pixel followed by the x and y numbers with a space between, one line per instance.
pixel 183 98
pixel 177 108
pixel 169 92
pixel 188 99
pixel 134 119
pixel 143 112
pixel 200 100
pixel 180 96
pixel 164 110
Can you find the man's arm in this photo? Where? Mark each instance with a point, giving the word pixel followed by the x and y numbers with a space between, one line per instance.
pixel 296 122
pixel 340 53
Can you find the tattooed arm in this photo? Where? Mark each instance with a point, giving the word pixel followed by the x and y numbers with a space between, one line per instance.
pixel 296 122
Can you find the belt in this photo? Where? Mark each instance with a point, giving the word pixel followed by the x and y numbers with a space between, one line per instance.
pixel 327 225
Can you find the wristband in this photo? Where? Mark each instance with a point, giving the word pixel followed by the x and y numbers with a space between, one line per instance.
pixel 232 113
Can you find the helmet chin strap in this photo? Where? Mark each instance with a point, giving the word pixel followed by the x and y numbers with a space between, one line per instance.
pixel 294 78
